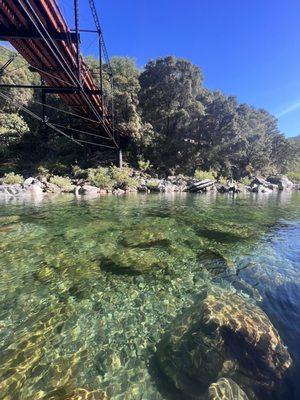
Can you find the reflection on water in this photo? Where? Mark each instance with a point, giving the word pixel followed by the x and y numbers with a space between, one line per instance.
pixel 88 287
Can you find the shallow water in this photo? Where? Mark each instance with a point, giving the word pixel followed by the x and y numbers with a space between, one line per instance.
pixel 89 286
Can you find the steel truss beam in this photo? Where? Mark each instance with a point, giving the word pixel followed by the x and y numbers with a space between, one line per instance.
pixel 52 89
pixel 63 36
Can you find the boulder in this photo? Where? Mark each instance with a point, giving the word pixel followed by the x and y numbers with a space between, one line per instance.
pixel 143 188
pixel 226 389
pixel 259 181
pixel 281 181
pixel 260 189
pixel 35 190
pixel 132 261
pixel 11 190
pixel 88 190
pixel 223 189
pixel 118 192
pixel 197 186
pixel 167 187
pixel 52 188
pixel 224 335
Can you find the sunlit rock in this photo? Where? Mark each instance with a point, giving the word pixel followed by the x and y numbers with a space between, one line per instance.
pixel 226 389
pixel 83 394
pixel 224 335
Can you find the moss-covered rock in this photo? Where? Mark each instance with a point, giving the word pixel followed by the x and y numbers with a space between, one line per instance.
pixel 224 336
pixel 141 236
pixel 132 261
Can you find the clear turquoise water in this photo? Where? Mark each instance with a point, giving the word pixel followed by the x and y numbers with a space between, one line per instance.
pixel 89 286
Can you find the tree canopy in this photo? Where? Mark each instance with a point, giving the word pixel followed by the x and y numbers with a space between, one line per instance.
pixel 175 122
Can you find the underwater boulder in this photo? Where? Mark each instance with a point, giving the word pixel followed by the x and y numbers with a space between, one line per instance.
pixel 226 389
pixel 83 394
pixel 144 237
pixel 223 335
pixel 132 261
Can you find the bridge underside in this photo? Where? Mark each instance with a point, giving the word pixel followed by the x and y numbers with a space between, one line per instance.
pixel 38 31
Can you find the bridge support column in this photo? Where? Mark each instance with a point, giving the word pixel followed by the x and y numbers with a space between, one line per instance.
pixel 120 158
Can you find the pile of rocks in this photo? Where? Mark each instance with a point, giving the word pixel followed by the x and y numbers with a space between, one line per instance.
pixel 40 185
pixel 30 187
pixel 272 183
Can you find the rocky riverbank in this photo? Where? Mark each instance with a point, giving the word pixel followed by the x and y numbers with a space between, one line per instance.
pixel 41 185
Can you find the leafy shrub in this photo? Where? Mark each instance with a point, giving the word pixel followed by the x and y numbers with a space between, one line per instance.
pixel 144 165
pixel 62 182
pixel 43 170
pixel 11 178
pixel 100 177
pixel 201 175
pixel 151 184
pixel 79 173
pixel 12 128
pixel 246 181
pixel 58 168
pixel 123 177
pixel 223 180
pixel 294 176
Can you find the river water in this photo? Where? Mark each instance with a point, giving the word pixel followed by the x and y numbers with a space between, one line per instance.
pixel 88 287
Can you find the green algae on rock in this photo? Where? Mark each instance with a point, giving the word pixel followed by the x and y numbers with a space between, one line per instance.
pixel 223 335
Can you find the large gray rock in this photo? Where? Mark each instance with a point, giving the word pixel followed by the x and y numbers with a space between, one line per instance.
pixel 34 190
pixel 282 181
pixel 118 192
pixel 12 190
pixel 224 335
pixel 197 186
pixel 88 190
pixel 52 188
pixel 226 389
pixel 259 181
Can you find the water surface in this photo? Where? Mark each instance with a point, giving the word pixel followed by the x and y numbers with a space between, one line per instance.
pixel 88 287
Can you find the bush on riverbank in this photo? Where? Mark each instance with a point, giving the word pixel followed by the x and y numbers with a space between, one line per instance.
pixel 294 176
pixel 63 182
pixel 11 178
pixel 201 175
pixel 111 177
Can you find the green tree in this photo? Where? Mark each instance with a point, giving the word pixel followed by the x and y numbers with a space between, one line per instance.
pixel 12 128
pixel 169 88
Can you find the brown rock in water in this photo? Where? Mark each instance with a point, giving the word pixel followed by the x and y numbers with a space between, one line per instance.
pixel 224 335
pixel 226 389
pixel 83 394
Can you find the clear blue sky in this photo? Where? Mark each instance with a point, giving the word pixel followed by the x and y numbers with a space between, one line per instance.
pixel 248 48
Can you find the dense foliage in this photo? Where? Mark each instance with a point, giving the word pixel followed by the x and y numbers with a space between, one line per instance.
pixel 177 125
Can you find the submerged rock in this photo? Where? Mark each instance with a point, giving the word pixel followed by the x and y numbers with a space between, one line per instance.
pixel 132 261
pixel 226 389
pixel 83 394
pixel 224 335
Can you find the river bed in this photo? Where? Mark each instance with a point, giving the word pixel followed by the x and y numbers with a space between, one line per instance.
pixel 89 286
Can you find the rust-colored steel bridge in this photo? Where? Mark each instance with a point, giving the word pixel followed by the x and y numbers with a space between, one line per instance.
pixel 41 35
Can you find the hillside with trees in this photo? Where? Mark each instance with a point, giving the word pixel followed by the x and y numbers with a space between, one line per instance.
pixel 176 124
